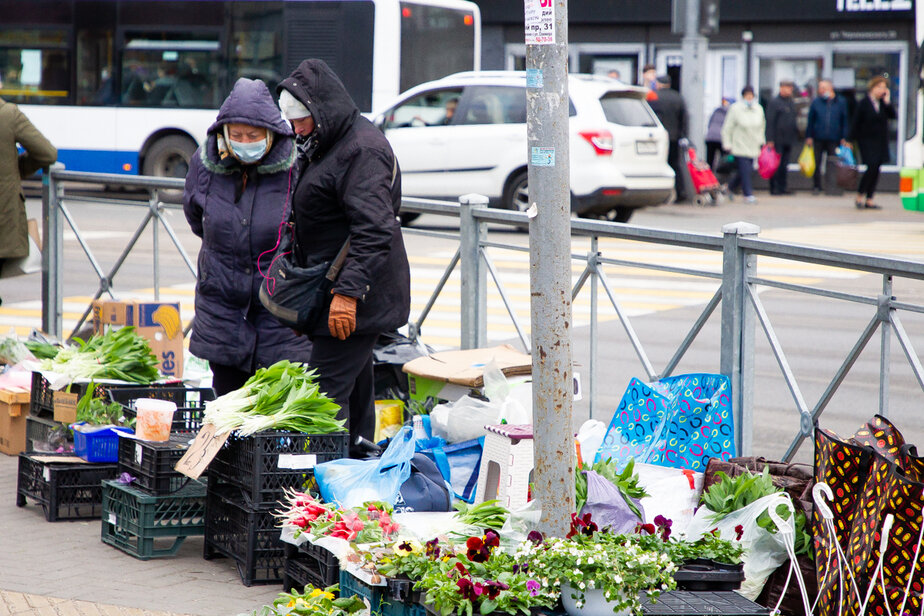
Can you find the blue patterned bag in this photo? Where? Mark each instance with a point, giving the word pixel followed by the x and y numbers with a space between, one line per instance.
pixel 678 421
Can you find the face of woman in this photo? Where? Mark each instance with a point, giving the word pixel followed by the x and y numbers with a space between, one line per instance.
pixel 245 133
pixel 749 97
pixel 879 90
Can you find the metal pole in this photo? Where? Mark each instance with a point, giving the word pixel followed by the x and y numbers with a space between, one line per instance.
pixel 473 278
pixel 52 254
pixel 692 77
pixel 550 260
pixel 885 344
pixel 594 282
pixel 153 203
pixel 737 341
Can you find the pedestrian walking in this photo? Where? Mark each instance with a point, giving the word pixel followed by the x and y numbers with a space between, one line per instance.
pixel 348 188
pixel 38 152
pixel 714 132
pixel 235 199
pixel 742 136
pixel 672 112
pixel 870 129
pixel 826 129
pixel 782 133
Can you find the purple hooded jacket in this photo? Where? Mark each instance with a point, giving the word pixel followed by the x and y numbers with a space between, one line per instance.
pixel 236 210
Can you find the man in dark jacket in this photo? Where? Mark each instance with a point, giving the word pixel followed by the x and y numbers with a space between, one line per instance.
pixel 672 111
pixel 348 188
pixel 827 126
pixel 782 133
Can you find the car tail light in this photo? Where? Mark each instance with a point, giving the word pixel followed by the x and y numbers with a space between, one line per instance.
pixel 601 140
pixel 612 192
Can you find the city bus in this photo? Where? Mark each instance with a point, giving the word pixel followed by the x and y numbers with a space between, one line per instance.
pixel 130 86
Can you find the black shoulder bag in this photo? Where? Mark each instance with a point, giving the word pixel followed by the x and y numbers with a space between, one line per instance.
pixel 299 296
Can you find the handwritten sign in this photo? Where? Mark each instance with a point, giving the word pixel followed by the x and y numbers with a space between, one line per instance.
pixel 539 21
pixel 202 451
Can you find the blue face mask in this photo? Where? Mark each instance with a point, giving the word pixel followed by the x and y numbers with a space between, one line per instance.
pixel 249 152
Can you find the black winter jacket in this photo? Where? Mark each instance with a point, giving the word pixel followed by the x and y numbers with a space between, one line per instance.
pixel 672 111
pixel 870 129
pixel 781 121
pixel 238 220
pixel 349 186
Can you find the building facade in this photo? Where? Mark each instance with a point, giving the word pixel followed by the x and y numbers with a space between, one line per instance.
pixel 757 43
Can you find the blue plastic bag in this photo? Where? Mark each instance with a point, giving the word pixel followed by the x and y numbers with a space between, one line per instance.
pixel 350 483
pixel 679 422
pixel 459 464
pixel 846 155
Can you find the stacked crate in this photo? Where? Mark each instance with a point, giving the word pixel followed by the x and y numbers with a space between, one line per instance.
pixel 66 487
pixel 153 515
pixel 247 479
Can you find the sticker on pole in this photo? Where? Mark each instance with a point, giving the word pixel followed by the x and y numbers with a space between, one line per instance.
pixel 539 21
pixel 543 157
pixel 534 78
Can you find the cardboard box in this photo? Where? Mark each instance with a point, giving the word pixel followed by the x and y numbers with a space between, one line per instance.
pixel 14 407
pixel 158 322
pixel 65 406
pixel 449 375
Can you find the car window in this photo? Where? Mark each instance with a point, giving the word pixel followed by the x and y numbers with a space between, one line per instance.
pixel 625 109
pixel 434 108
pixel 493 105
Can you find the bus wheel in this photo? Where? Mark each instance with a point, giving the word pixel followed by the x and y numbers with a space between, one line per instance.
pixel 169 157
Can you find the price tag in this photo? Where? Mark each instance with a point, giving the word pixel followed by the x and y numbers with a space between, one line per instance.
pixel 202 451
pixel 139 454
pixel 46 473
pixel 112 519
pixel 297 461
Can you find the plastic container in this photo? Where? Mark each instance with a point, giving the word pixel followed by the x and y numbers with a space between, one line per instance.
pixel 190 403
pixel 97 444
pixel 154 419
pixel 65 490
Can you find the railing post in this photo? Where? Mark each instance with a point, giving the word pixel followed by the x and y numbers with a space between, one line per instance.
pixel 885 343
pixel 154 205
pixel 52 253
pixel 474 282
pixel 592 257
pixel 737 331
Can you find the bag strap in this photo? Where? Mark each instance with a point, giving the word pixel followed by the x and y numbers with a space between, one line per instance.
pixel 338 261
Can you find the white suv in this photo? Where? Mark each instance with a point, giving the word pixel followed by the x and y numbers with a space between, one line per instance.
pixel 466 133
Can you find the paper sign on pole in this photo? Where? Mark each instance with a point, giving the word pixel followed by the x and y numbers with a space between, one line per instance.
pixel 539 21
pixel 202 451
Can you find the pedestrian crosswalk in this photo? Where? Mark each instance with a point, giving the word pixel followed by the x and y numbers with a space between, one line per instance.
pixel 639 291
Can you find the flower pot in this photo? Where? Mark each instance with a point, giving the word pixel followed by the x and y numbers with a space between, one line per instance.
pixel 595 604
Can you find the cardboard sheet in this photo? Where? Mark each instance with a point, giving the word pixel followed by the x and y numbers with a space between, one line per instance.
pixel 467 367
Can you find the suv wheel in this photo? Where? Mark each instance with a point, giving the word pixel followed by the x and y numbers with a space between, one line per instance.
pixel 516 196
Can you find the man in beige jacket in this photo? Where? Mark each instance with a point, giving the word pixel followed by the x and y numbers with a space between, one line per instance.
pixel 742 136
pixel 38 152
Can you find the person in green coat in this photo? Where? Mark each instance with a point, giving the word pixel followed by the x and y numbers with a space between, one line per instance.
pixel 15 128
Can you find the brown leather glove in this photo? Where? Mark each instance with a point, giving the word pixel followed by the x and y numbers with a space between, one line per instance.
pixel 342 319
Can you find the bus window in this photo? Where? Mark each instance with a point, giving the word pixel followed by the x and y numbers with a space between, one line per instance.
pixel 426 33
pixel 256 43
pixel 95 83
pixel 175 70
pixel 34 65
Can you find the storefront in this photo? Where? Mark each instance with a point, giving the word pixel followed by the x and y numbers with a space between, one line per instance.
pixel 758 43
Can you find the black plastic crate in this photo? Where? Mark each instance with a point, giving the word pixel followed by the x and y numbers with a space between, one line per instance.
pixel 298 573
pixel 262 464
pixel 709 576
pixel 151 463
pixel 148 526
pixel 688 603
pixel 66 490
pixel 41 399
pixel 321 561
pixel 47 435
pixel 247 535
pixel 190 403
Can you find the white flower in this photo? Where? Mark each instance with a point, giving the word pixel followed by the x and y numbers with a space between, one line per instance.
pixel 590 584
pixel 582 586
pixel 606 594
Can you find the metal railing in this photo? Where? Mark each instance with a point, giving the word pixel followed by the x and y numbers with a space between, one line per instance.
pixel 737 285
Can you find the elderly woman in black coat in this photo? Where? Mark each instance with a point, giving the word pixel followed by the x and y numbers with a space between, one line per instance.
pixel 870 129
pixel 235 199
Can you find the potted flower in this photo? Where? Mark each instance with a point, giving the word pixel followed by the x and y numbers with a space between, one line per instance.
pixel 312 602
pixel 598 572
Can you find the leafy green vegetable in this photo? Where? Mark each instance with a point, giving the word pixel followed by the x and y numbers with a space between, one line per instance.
pixel 13 351
pixel 483 515
pixel 730 494
pixel 42 350
pixel 119 354
pixel 627 481
pixel 284 396
pixel 96 412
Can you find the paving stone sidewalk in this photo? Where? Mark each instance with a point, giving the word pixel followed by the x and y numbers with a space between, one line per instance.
pixel 63 568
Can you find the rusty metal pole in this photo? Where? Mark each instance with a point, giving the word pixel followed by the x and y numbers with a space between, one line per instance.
pixel 546 29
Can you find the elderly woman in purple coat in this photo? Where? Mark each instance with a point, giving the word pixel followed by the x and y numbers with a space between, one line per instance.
pixel 235 199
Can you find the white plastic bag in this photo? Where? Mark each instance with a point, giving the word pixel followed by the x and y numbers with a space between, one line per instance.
pixel 465 419
pixel 764 551
pixel 590 437
pixel 672 492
